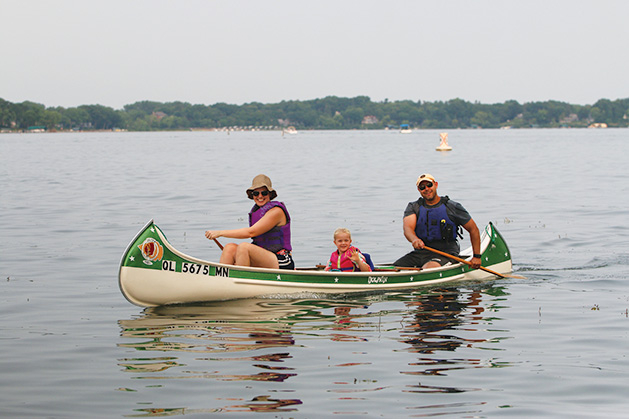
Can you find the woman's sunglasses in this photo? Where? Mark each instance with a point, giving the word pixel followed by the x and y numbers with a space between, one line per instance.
pixel 256 193
pixel 425 185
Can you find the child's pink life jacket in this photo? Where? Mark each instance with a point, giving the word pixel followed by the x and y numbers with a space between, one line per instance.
pixel 343 262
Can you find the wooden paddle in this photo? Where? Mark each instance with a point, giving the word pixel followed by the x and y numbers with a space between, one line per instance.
pixel 439 252
pixel 220 246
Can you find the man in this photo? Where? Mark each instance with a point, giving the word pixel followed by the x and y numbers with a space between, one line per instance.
pixel 434 221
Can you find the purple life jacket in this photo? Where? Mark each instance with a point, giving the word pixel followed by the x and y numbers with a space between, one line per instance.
pixel 277 238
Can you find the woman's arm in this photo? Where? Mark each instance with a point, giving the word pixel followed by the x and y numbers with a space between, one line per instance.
pixel 273 217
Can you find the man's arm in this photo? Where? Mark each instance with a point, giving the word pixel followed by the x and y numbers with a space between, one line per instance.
pixel 472 229
pixel 410 222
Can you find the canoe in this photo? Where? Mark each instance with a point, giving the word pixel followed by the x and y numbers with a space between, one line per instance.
pixel 153 273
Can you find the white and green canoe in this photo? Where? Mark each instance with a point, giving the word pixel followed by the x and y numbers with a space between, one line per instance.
pixel 153 273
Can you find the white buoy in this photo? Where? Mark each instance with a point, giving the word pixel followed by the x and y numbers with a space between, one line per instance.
pixel 444 142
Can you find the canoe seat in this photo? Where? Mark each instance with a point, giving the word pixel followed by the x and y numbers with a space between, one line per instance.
pixel 369 262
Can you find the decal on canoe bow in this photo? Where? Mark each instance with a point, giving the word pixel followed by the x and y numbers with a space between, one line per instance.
pixel 151 250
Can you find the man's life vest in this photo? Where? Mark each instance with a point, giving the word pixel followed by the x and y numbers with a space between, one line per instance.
pixel 433 224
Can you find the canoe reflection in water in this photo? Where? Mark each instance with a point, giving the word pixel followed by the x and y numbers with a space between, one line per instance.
pixel 236 326
pixel 256 404
pixel 243 326
pixel 439 311
pixel 258 341
pixel 426 331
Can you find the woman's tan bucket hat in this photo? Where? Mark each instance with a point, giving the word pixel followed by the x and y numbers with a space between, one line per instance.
pixel 260 181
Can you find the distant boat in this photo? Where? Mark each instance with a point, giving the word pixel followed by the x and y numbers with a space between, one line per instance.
pixel 289 130
pixel 405 129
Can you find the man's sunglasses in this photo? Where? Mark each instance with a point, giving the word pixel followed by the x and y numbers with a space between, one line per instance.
pixel 256 193
pixel 425 185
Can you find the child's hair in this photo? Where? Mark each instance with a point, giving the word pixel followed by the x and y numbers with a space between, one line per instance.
pixel 342 230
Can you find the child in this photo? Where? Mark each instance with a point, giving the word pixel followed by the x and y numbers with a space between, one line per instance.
pixel 347 258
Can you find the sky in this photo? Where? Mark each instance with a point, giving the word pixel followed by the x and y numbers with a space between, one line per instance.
pixel 117 52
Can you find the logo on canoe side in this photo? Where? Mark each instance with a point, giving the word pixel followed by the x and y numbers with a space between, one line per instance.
pixel 377 279
pixel 151 251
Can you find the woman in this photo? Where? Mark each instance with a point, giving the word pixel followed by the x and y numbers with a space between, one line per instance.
pixel 269 227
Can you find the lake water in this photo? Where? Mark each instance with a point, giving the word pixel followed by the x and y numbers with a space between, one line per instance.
pixel 552 345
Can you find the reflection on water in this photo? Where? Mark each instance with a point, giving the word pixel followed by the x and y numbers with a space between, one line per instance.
pixel 263 341
pixel 440 321
pixel 257 404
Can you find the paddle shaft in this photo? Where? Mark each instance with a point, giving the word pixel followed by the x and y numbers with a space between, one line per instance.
pixel 448 255
pixel 220 246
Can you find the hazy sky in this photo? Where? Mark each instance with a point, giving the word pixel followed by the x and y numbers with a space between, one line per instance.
pixel 116 52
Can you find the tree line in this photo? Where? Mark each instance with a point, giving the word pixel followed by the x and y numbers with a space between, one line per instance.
pixel 327 113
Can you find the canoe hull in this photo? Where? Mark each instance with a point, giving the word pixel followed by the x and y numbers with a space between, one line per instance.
pixel 152 273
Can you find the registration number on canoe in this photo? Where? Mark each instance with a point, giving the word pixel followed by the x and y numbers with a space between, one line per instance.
pixel 186 267
pixel 195 268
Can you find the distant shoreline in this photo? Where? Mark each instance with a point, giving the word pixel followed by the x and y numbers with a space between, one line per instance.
pixel 329 113
pixel 227 131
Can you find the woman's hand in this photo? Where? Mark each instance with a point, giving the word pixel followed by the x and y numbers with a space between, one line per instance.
pixel 211 235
